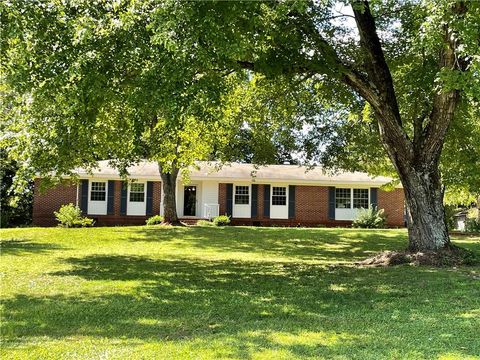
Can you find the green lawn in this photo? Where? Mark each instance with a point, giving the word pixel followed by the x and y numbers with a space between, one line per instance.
pixel 246 293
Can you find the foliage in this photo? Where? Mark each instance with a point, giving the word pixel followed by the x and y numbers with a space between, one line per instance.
pixel 206 223
pixel 70 216
pixel 472 225
pixel 450 211
pixel 154 220
pixel 136 285
pixel 221 220
pixel 15 203
pixel 88 81
pixel 371 218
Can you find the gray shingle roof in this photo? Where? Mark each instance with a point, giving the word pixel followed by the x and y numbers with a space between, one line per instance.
pixel 243 172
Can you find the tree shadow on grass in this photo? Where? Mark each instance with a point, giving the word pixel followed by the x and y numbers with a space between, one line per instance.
pixel 258 306
pixel 25 247
pixel 337 245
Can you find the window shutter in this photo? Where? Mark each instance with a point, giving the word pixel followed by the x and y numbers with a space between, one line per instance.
pixel 291 201
pixel 254 200
pixel 374 197
pixel 266 201
pixel 123 199
pixel 229 207
pixel 111 197
pixel 84 196
pixel 331 202
pixel 149 197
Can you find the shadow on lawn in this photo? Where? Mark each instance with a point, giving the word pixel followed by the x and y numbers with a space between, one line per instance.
pixel 24 247
pixel 310 244
pixel 248 302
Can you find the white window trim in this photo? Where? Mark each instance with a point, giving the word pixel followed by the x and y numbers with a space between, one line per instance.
pixel 249 194
pixel 286 193
pixel 96 203
pixel 131 211
pixel 351 197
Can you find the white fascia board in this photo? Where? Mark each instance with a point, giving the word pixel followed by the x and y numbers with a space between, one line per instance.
pixel 335 183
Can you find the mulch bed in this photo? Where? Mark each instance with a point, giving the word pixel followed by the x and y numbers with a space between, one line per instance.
pixel 454 256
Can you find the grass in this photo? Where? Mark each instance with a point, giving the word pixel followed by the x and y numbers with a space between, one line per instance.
pixel 244 293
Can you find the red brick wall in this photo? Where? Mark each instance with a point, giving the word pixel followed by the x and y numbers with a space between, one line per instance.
pixel 393 202
pixel 45 204
pixel 222 199
pixel 311 204
pixel 311 207
pixel 47 201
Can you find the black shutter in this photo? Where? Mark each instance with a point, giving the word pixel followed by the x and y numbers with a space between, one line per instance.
pixel 84 196
pixel 331 202
pixel 123 199
pixel 374 197
pixel 111 197
pixel 254 200
pixel 291 201
pixel 229 207
pixel 149 197
pixel 266 200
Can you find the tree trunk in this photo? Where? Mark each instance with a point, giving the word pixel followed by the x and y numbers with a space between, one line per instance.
pixel 478 208
pixel 169 187
pixel 427 228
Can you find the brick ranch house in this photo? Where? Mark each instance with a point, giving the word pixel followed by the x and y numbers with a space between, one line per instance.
pixel 286 195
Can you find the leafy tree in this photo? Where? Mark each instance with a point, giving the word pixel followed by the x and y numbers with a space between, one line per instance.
pixel 15 207
pixel 415 63
pixel 86 81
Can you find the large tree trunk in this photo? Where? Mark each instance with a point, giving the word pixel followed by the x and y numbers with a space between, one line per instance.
pixel 427 228
pixel 169 187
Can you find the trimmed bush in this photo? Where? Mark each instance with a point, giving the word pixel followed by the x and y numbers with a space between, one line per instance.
pixel 221 220
pixel 70 216
pixel 154 220
pixel 472 226
pixel 371 218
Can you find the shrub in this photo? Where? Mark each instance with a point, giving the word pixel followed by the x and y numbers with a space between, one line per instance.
pixel 154 220
pixel 205 223
pixel 70 216
pixel 472 226
pixel 371 218
pixel 221 220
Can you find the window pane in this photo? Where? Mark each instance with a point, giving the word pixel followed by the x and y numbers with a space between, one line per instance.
pixel 279 195
pixel 342 198
pixel 137 192
pixel 98 191
pixel 360 198
pixel 241 195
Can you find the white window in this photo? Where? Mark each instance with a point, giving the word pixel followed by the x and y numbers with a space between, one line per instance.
pixel 98 191
pixel 137 192
pixel 360 198
pixel 242 196
pixel 279 202
pixel 97 200
pixel 136 199
pixel 279 196
pixel 343 198
pixel 241 201
pixel 348 201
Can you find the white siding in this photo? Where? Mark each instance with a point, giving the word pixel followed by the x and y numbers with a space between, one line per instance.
pixel 97 207
pixel 278 211
pixel 209 198
pixel 242 210
pixel 137 208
